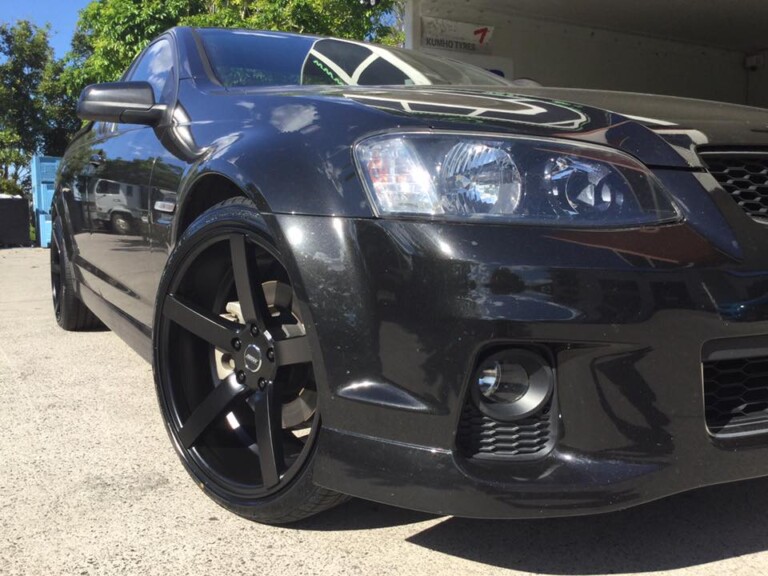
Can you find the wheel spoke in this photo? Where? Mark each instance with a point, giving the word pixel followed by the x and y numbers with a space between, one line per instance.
pixel 213 329
pixel 209 409
pixel 249 291
pixel 267 410
pixel 293 351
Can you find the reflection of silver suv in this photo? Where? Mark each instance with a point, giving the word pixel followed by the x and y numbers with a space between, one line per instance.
pixel 117 204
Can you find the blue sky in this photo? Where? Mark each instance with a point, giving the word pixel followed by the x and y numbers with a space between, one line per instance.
pixel 60 14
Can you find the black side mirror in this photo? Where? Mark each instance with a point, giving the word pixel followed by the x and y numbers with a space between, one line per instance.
pixel 122 102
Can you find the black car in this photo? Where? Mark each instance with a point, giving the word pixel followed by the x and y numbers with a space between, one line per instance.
pixel 366 271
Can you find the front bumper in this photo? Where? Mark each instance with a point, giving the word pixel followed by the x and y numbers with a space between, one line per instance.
pixel 399 312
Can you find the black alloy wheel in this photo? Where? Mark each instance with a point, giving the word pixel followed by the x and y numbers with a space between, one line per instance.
pixel 70 312
pixel 234 371
pixel 56 288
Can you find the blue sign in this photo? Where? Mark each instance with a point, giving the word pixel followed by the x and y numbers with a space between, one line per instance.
pixel 43 185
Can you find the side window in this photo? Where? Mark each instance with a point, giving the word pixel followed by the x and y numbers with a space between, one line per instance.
pixel 155 65
pixel 338 62
pixel 333 62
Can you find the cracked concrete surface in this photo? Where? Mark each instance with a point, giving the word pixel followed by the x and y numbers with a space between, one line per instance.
pixel 89 484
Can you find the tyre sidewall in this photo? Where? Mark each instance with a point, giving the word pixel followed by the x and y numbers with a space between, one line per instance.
pixel 68 299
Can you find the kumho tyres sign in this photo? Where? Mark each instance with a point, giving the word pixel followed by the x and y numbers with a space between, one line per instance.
pixel 455 36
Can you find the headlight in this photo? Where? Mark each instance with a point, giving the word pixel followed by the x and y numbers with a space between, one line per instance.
pixel 532 180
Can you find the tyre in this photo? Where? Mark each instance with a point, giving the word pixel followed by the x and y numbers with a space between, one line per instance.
pixel 233 369
pixel 71 313
pixel 121 223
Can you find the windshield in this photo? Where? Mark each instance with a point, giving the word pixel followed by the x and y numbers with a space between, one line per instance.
pixel 249 58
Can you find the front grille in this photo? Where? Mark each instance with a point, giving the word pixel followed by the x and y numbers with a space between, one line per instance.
pixel 736 396
pixel 482 437
pixel 744 175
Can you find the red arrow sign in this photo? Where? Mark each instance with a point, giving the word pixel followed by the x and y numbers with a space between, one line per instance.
pixel 482 33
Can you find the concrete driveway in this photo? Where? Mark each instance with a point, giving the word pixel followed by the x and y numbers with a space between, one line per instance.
pixel 89 484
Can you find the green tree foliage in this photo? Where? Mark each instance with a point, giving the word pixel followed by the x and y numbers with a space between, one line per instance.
pixel 110 33
pixel 25 52
pixel 13 162
pixel 340 18
pixel 35 113
pixel 58 105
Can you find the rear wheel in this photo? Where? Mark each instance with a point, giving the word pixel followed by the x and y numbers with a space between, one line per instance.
pixel 121 223
pixel 234 369
pixel 71 313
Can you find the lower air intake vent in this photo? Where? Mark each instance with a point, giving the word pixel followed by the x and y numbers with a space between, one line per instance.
pixel 482 437
pixel 736 396
pixel 744 175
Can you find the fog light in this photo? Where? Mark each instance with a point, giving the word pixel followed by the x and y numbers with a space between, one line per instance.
pixel 512 384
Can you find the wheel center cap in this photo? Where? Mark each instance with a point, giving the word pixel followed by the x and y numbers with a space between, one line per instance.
pixel 252 358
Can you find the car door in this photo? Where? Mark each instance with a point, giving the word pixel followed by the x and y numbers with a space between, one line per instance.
pixel 180 149
pixel 117 256
pixel 72 185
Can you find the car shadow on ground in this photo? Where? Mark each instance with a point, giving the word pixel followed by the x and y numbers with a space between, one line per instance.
pixel 362 515
pixel 685 530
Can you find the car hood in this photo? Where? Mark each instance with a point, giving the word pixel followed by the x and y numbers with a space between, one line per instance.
pixel 719 123
pixel 628 121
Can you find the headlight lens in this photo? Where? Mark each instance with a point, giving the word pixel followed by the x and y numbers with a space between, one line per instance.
pixel 541 181
pixel 480 179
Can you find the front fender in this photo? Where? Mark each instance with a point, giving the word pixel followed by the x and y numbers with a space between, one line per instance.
pixel 289 154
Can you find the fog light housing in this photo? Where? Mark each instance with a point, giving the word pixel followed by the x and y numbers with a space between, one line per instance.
pixel 512 384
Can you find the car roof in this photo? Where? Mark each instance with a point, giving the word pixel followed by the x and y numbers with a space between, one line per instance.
pixel 272 33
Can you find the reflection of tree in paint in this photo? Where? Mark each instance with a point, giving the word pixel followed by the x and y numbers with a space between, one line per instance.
pixel 467 105
pixel 619 381
pixel 350 63
pixel 155 67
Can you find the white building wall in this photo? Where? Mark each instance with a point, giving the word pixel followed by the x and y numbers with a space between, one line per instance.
pixel 758 81
pixel 557 54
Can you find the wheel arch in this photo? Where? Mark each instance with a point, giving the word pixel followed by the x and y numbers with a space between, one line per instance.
pixel 203 191
pixel 59 210
pixel 208 189
pixel 120 210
